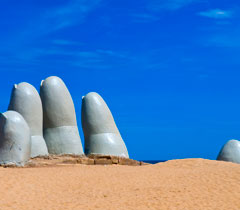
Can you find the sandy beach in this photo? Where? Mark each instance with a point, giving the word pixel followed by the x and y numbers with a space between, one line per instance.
pixel 177 184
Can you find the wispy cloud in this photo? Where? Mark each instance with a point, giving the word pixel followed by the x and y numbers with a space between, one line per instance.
pixel 65 42
pixel 91 59
pixel 217 14
pixel 112 53
pixel 91 64
pixel 156 5
pixel 225 40
pixel 60 17
pixel 144 18
pixel 69 14
pixel 153 8
pixel 99 59
pixel 29 42
pixel 203 76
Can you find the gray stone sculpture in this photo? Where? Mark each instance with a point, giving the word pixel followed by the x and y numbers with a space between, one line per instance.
pixel 230 152
pixel 26 101
pixel 59 120
pixel 15 139
pixel 100 131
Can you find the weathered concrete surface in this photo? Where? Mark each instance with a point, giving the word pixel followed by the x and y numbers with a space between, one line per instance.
pixel 15 139
pixel 230 152
pixel 100 131
pixel 26 101
pixel 60 129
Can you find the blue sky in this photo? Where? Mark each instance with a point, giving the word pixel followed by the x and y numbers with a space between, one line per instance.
pixel 168 69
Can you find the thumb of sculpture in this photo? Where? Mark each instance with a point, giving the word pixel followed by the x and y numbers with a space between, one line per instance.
pixel 15 140
pixel 101 134
pixel 230 152
pixel 26 101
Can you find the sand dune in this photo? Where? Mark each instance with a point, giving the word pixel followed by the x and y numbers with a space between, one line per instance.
pixel 177 184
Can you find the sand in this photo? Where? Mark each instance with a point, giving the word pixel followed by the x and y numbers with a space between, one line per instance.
pixel 177 184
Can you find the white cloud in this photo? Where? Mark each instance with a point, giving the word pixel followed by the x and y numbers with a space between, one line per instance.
pixel 217 14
